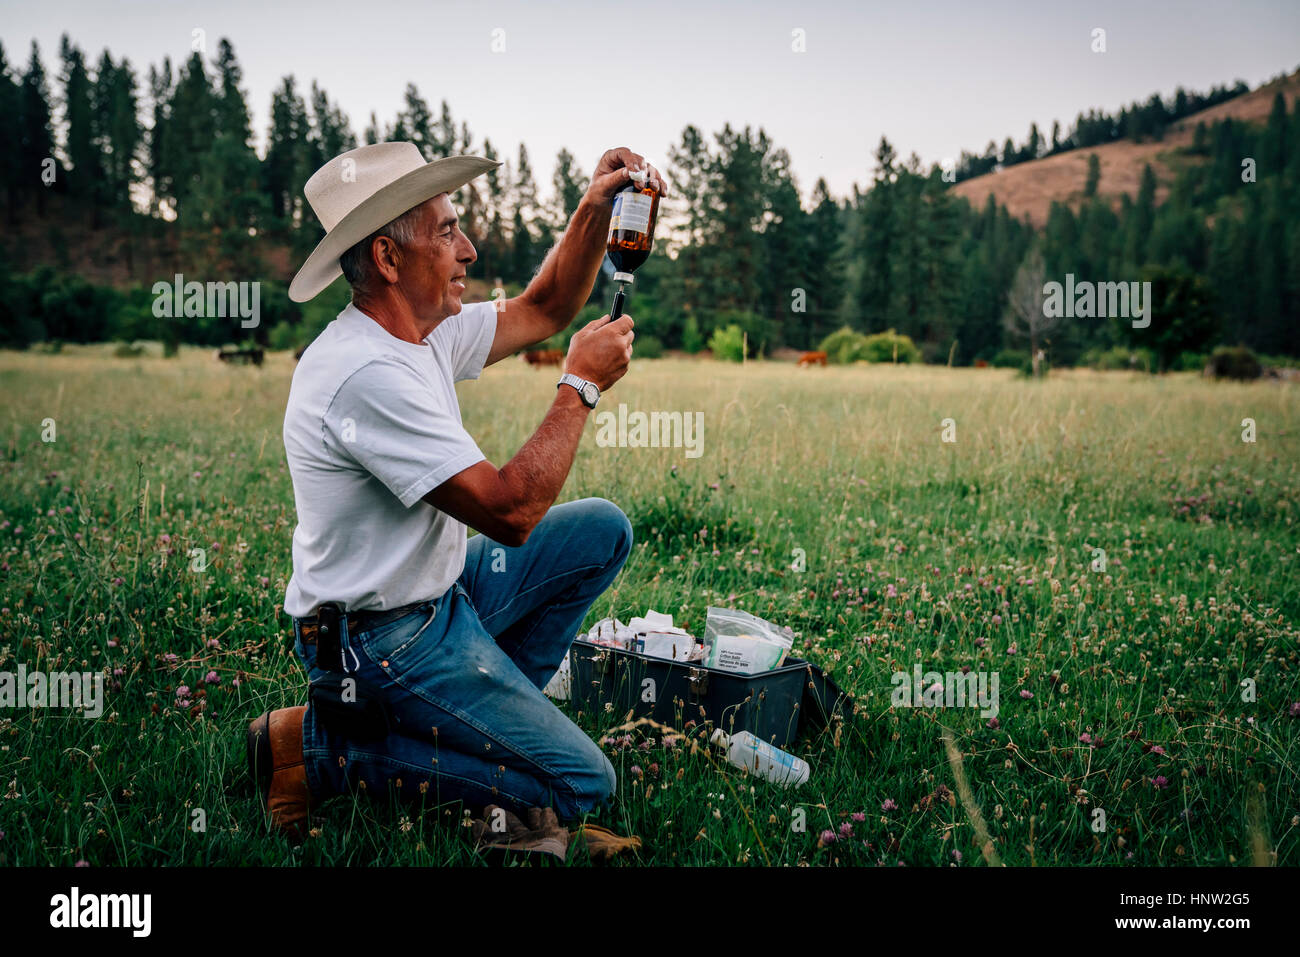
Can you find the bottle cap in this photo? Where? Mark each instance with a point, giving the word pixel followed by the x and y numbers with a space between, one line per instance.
pixel 639 176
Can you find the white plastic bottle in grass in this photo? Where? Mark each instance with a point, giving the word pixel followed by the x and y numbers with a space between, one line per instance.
pixel 758 757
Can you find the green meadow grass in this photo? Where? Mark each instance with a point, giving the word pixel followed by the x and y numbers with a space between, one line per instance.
pixel 1120 689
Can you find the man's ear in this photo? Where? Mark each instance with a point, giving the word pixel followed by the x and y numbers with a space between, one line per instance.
pixel 387 256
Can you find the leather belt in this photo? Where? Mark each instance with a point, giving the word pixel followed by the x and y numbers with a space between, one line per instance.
pixel 359 621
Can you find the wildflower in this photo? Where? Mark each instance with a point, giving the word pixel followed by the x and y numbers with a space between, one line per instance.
pixel 858 816
pixel 1157 749
pixel 997 619
pixel 1160 782
pixel 827 837
pixel 118 581
pixel 889 805
pixel 635 771
pixel 1013 649
pixel 1026 693
pixel 956 856
pixel 1294 710
pixel 211 678
pixel 82 863
pixel 846 830
pixel 1086 738
pixel 994 723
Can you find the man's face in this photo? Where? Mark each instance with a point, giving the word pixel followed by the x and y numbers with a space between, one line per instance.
pixel 432 274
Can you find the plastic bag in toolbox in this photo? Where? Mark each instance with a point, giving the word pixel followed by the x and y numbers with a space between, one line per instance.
pixel 737 641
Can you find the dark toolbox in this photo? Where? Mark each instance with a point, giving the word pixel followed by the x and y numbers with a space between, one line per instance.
pixel 775 706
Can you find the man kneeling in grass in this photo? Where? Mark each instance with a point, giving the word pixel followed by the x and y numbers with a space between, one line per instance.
pixel 428 652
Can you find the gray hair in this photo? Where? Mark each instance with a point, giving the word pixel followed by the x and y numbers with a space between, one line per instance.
pixel 358 267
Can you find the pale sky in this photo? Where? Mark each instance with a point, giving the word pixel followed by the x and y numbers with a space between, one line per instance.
pixel 935 77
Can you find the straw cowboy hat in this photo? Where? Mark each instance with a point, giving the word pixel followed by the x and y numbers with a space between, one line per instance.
pixel 361 190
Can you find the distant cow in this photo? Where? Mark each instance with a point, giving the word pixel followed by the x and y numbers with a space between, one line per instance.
pixel 544 357
pixel 981 363
pixel 254 356
pixel 812 359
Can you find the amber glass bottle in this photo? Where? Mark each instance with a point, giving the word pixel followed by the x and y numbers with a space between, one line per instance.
pixel 631 232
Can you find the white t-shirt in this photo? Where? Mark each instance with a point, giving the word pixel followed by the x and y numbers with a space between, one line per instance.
pixel 372 425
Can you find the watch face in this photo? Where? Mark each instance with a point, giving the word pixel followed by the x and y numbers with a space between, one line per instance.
pixel 590 393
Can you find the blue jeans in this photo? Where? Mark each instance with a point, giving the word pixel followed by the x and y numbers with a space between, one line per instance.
pixel 463 674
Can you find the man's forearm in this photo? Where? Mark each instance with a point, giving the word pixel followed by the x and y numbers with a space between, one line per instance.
pixel 537 472
pixel 568 273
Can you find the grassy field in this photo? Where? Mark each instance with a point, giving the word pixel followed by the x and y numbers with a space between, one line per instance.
pixel 1121 687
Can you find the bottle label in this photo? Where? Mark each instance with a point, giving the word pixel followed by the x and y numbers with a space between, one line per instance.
pixel 631 211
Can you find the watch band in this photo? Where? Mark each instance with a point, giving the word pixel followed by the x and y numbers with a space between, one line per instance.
pixel 580 386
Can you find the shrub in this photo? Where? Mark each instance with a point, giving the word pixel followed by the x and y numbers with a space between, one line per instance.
pixel 1190 361
pixel 1234 362
pixel 1119 358
pixel 647 347
pixel 728 343
pixel 1010 359
pixel 283 336
pixel 1026 367
pixel 844 346
pixel 1279 362
pixel 128 350
pixel 890 347
pixel 692 341
pixel 757 329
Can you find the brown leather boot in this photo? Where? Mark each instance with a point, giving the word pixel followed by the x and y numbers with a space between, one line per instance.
pixel 275 762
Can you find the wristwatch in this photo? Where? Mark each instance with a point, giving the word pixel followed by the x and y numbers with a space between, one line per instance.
pixel 589 391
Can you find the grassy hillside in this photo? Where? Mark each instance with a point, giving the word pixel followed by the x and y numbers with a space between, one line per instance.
pixel 1030 188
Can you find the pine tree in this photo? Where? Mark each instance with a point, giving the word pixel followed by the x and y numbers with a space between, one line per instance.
pixel 191 119
pixel 288 154
pixel 527 232
pixel 10 159
pixel 1138 230
pixel 446 138
pixel 1094 176
pixel 493 259
pixel 568 184
pixel 691 170
pixel 874 250
pixel 35 129
pixel 1272 146
pixel 84 178
pixel 159 162
pixel 786 251
pixel 825 264
pixel 415 124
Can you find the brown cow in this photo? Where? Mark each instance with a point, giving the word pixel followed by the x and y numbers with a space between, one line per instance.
pixel 812 359
pixel 544 357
